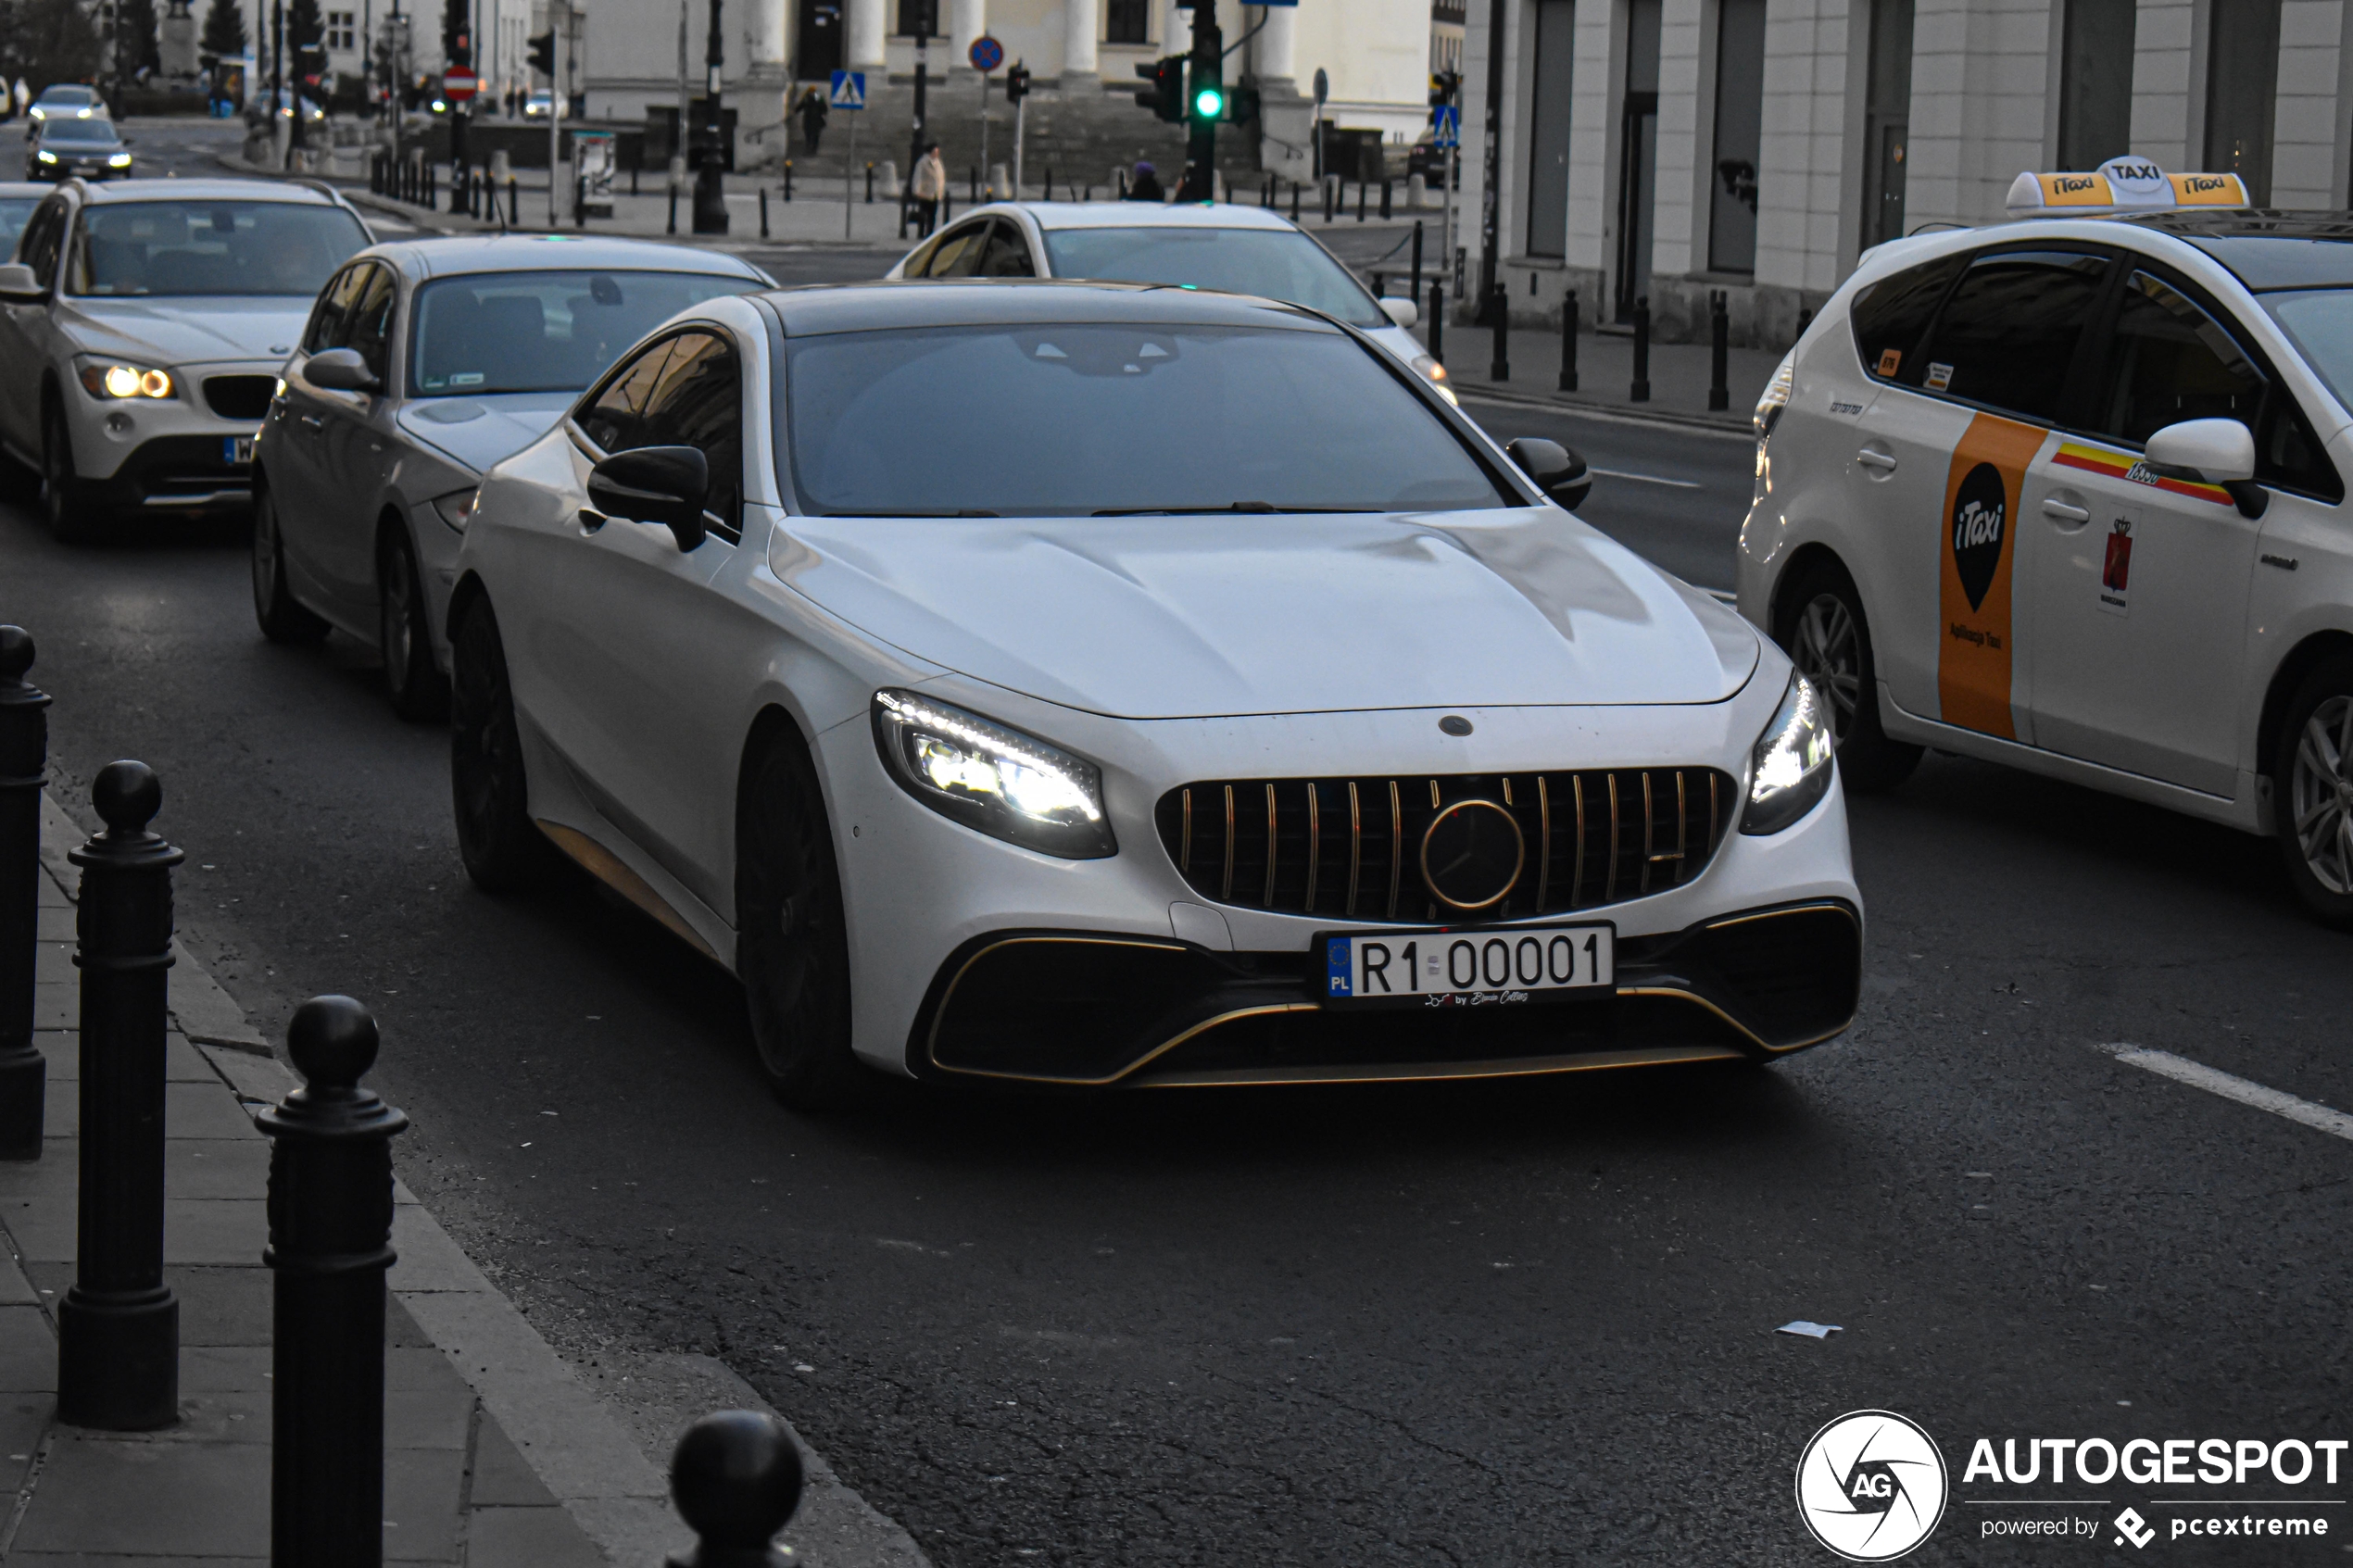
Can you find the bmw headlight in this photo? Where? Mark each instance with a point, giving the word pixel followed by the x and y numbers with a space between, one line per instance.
pixel 1005 784
pixel 113 380
pixel 1789 770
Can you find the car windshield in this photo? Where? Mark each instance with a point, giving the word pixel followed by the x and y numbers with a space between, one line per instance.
pixel 159 249
pixel 1064 421
pixel 2320 321
pixel 543 332
pixel 1272 263
pixel 98 132
pixel 14 213
pixel 67 97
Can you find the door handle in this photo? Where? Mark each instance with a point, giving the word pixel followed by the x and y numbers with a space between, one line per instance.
pixel 310 421
pixel 1882 461
pixel 2056 508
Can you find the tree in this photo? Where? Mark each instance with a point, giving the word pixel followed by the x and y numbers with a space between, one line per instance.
pixel 457 29
pixel 224 31
pixel 304 27
pixel 47 41
pixel 136 49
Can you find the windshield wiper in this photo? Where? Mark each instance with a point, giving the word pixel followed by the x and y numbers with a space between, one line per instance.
pixel 1252 506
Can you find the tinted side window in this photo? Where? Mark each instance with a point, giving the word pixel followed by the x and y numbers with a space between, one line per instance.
pixel 1008 255
pixel 959 254
pixel 696 401
pixel 615 418
pixel 44 241
pixel 333 308
pixel 370 329
pixel 1890 316
pixel 2008 334
pixel 2170 361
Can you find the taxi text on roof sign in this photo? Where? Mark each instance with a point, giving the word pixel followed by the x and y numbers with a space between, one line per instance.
pixel 2122 184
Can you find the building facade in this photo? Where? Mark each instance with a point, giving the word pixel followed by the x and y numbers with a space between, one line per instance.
pixel 1667 149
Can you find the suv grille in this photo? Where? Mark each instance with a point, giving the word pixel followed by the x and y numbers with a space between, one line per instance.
pixel 240 397
pixel 1350 848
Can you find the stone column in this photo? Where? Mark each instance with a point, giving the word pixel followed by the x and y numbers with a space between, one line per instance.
pixel 972 20
pixel 1082 26
pixel 1278 46
pixel 868 29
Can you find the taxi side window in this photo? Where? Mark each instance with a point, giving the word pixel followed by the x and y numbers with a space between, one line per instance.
pixel 2170 361
pixel 2007 337
pixel 1891 316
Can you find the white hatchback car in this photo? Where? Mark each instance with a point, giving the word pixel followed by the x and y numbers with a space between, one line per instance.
pixel 1195 244
pixel 2068 493
pixel 1094 684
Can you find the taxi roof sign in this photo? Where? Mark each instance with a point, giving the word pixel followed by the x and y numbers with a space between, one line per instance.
pixel 2122 184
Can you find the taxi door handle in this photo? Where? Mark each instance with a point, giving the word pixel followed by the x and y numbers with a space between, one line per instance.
pixel 2059 511
pixel 1872 459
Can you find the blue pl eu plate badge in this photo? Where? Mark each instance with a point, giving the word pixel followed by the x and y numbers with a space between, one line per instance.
pixel 1336 961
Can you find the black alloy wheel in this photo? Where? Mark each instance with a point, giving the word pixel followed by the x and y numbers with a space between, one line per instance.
pixel 1824 634
pixel 66 505
pixel 792 943
pixel 503 848
pixel 2312 792
pixel 280 620
pixel 404 632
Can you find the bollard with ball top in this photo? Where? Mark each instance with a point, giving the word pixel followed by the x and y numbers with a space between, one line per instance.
pixel 118 1326
pixel 329 1244
pixel 24 758
pixel 735 1478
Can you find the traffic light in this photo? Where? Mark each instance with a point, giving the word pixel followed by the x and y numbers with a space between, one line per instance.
pixel 1207 97
pixel 1241 105
pixel 1016 82
pixel 1165 97
pixel 543 54
pixel 1443 86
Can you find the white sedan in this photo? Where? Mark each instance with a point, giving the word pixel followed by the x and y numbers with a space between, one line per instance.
pixel 1094 684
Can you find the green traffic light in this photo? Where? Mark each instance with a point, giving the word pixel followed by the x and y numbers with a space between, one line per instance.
pixel 1208 103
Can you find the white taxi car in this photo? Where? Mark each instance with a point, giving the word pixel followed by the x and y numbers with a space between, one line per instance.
pixel 2069 494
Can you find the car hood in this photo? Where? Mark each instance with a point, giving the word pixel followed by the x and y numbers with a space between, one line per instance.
pixel 189 331
pixel 1195 617
pixel 479 431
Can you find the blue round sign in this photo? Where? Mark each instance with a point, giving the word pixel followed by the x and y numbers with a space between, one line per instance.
pixel 987 53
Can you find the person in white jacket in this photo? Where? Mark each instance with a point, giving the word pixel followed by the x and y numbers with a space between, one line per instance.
pixel 930 187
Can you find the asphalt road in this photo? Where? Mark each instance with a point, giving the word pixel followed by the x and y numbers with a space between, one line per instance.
pixel 1495 1325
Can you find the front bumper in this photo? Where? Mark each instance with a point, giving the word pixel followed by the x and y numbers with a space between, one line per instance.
pixel 168 453
pixel 76 169
pixel 1075 1008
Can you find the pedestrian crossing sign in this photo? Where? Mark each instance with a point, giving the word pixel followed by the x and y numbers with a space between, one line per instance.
pixel 1449 121
pixel 849 89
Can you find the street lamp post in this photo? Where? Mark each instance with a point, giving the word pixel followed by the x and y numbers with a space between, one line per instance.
pixel 711 189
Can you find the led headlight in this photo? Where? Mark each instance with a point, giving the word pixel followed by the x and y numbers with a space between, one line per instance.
pixel 1435 373
pixel 1789 770
pixel 45 155
pixel 120 161
pixel 1003 783
pixel 113 380
pixel 457 508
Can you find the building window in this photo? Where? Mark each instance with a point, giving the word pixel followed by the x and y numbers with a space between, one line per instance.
pixel 1740 126
pixel 342 31
pixel 1548 129
pixel 1887 112
pixel 919 19
pixel 1126 21
pixel 2096 83
pixel 2243 70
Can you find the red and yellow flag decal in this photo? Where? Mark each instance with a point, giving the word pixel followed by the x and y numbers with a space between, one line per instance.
pixel 2110 464
pixel 1980 513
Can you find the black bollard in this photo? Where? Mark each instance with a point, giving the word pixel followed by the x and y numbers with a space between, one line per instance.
pixel 788 185
pixel 1719 335
pixel 1568 342
pixel 763 212
pixel 972 175
pixel 1640 391
pixel 1416 287
pixel 1294 201
pixel 1804 319
pixel 870 184
pixel 1385 200
pixel 329 1244
pixel 673 209
pixel 1437 320
pixel 1360 201
pixel 1500 307
pixel 514 203
pixel 735 1478
pixel 24 759
pixel 118 1326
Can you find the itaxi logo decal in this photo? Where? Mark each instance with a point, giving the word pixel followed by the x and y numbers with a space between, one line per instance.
pixel 1870 1485
pixel 1973 599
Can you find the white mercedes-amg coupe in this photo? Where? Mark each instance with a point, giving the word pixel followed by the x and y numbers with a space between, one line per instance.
pixel 1102 684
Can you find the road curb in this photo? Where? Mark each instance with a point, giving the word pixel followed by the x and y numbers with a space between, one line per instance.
pixel 573 1440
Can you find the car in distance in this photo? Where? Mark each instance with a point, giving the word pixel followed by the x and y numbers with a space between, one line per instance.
pixel 2068 493
pixel 1239 250
pixel 87 149
pixel 423 363
pixel 1102 686
pixel 67 100
pixel 145 324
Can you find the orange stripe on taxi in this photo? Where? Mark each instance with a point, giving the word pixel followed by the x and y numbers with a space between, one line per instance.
pixel 2123 465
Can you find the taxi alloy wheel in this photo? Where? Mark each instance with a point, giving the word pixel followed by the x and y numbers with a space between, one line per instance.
pixel 792 947
pixel 503 848
pixel 1822 629
pixel 2312 803
pixel 1825 654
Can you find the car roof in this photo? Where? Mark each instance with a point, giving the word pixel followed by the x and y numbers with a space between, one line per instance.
pixel 817 308
pixel 1155 215
pixel 111 191
pixel 447 255
pixel 64 91
pixel 17 189
pixel 2266 249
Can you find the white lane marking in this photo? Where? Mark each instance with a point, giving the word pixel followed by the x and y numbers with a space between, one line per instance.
pixel 1648 479
pixel 2181 1070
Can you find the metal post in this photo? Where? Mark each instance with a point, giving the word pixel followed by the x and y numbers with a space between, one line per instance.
pixel 735 1478
pixel 763 211
pixel 1416 287
pixel 1360 201
pixel 870 169
pixel 118 1326
pixel 711 188
pixel 1568 342
pixel 1385 186
pixel 1499 310
pixel 24 757
pixel 1437 320
pixel 329 1244
pixel 763 233
pixel 1719 323
pixel 1491 240
pixel 1021 110
pixel 514 201
pixel 849 180
pixel 1294 201
pixel 673 209
pixel 1640 391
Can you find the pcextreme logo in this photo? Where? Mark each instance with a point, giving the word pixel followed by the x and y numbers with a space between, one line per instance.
pixel 1871 1485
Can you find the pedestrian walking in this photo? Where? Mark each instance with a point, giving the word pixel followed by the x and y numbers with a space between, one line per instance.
pixel 813 112
pixel 23 96
pixel 929 188
pixel 1145 186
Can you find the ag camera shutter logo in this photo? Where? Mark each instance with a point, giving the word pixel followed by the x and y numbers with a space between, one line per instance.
pixel 1871 1485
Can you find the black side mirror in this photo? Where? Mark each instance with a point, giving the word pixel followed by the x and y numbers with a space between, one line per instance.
pixel 339 369
pixel 663 484
pixel 1557 470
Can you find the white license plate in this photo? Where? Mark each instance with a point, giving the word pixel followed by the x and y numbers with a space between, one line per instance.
pixel 1467 967
pixel 237 448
